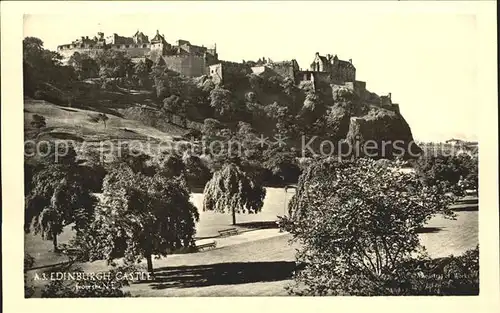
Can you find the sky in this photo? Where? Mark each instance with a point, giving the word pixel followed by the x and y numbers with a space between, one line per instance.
pixel 428 61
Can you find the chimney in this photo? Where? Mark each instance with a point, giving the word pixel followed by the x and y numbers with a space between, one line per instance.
pixel 317 53
pixel 350 61
pixel 389 95
pixel 157 32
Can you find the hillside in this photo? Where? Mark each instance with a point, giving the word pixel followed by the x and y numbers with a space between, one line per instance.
pixel 80 125
pixel 272 102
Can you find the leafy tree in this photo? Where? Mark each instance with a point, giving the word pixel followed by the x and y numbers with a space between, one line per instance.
pixel 282 163
pixel 247 136
pixel 171 166
pixel 141 73
pixel 42 68
pixel 449 169
pixel 136 160
pixel 59 197
pixel 282 117
pixel 166 82
pixel 221 101
pixel 232 190
pixel 114 64
pixel 357 222
pixel 84 65
pixel 144 215
pixel 197 172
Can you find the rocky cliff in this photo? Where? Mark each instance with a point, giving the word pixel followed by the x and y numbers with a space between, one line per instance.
pixel 371 130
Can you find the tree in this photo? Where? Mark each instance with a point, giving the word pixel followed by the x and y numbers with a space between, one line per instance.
pixel 281 163
pixel 42 68
pixel 281 116
pixel 144 215
pixel 58 197
pixel 84 65
pixel 221 101
pixel 449 170
pixel 357 222
pixel 114 64
pixel 141 73
pixel 197 172
pixel 232 190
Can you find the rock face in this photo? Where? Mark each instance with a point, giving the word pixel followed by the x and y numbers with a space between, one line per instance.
pixel 381 133
pixel 367 129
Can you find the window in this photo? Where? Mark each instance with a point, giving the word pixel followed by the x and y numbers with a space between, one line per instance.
pixel 136 46
pixel 144 46
pixel 126 46
pixel 91 46
pixel 81 46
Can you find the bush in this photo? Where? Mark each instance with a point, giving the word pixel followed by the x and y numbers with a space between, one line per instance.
pixel 38 121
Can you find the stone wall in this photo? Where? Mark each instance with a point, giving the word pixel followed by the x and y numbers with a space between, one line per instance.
pixel 66 53
pixel 133 51
pixel 226 70
pixel 285 69
pixel 360 89
pixel 191 66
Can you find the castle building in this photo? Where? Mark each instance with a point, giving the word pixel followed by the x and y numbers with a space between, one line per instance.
pixel 338 70
pixel 183 57
pixel 194 61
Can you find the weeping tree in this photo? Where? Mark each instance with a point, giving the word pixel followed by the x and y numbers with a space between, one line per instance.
pixel 58 197
pixel 233 190
pixel 140 217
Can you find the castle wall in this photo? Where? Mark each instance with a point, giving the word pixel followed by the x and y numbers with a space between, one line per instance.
pixel 360 89
pixel 285 69
pixel 343 72
pixel 322 78
pixel 191 66
pixel 133 51
pixel 66 53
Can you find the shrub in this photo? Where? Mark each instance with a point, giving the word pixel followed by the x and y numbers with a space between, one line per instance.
pixel 38 121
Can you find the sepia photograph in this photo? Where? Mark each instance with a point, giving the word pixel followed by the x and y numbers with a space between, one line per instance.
pixel 273 149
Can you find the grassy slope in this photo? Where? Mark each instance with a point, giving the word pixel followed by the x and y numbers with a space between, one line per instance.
pixel 76 125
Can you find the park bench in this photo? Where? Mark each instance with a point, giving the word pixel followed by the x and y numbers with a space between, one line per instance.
pixel 228 232
pixel 206 245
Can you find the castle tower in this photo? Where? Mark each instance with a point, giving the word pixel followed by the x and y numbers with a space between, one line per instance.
pixel 159 45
